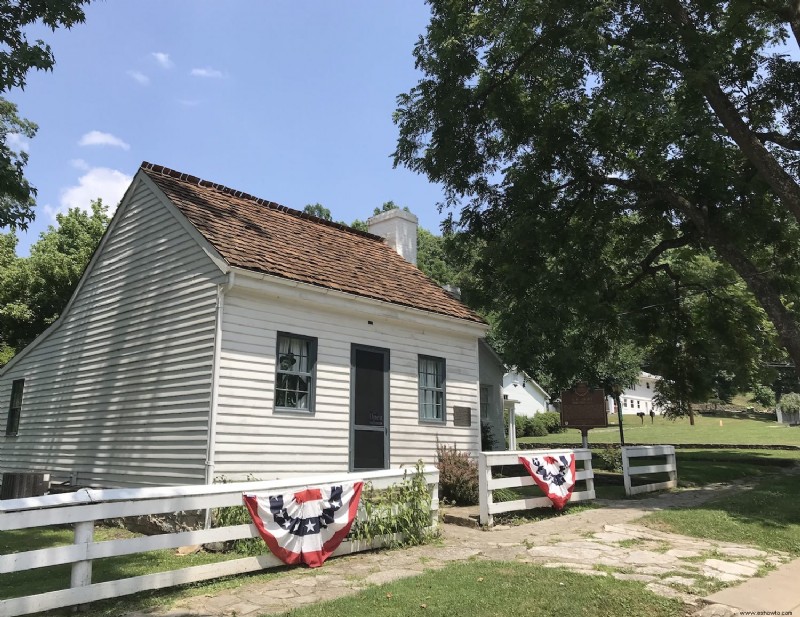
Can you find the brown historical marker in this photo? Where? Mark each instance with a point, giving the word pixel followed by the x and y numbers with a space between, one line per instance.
pixel 583 409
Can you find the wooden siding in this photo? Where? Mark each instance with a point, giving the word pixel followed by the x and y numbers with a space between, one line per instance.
pixel 254 439
pixel 119 392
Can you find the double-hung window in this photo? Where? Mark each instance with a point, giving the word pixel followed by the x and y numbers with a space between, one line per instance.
pixel 14 407
pixel 431 389
pixel 295 362
pixel 485 393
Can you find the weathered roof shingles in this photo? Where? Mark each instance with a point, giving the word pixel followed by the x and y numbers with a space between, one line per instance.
pixel 260 235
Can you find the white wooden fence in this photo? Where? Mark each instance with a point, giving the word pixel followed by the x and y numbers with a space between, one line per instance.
pixel 489 484
pixel 670 467
pixel 85 507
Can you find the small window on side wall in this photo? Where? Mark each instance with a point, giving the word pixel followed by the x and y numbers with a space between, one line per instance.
pixel 15 407
pixel 486 395
pixel 295 361
pixel 431 389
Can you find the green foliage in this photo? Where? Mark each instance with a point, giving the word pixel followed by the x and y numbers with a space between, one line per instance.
pixel 606 203
pixel 609 457
pixel 551 421
pixel 318 210
pixel 238 515
pixel 458 476
pixel 386 207
pixel 35 289
pixel 359 225
pixel 488 440
pixel 17 57
pixel 763 395
pixel 405 509
pixel 789 403
pixel 432 258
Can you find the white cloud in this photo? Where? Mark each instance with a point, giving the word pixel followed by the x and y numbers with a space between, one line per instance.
pixel 18 142
pixel 98 182
pixel 207 72
pixel 79 164
pixel 163 59
pixel 98 138
pixel 139 77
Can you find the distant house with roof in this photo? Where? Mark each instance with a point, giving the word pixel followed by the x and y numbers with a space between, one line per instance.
pixel 639 397
pixel 215 333
pixel 531 397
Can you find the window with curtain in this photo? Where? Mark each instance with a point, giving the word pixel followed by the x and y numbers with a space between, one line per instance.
pixel 296 359
pixel 431 389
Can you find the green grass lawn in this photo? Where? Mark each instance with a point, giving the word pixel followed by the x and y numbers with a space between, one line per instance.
pixel 767 516
pixel 41 580
pixel 500 589
pixel 707 430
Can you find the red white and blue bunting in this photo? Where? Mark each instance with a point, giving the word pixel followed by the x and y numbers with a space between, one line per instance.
pixel 554 473
pixel 308 526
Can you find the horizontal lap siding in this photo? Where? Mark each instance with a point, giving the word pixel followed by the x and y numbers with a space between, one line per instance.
pixel 252 439
pixel 119 393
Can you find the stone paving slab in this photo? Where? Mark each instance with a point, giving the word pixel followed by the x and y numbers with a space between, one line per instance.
pixel 777 591
pixel 600 542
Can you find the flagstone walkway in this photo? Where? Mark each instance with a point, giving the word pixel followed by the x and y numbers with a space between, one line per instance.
pixel 599 542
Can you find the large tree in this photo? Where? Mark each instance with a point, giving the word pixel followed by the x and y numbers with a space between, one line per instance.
pixel 18 55
pixel 35 289
pixel 589 144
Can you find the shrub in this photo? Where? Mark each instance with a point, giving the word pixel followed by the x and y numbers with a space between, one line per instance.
pixel 790 403
pixel 403 508
pixel 552 421
pixel 458 476
pixel 538 426
pixel 488 441
pixel 763 395
pixel 609 458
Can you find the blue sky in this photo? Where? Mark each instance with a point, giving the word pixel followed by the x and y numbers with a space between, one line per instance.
pixel 288 101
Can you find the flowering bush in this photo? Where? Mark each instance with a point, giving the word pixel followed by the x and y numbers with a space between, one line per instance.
pixel 458 476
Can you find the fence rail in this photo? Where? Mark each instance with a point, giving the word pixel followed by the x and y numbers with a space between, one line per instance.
pixel 488 483
pixel 87 506
pixel 637 452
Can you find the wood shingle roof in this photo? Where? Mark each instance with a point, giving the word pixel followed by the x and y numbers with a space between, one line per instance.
pixel 259 235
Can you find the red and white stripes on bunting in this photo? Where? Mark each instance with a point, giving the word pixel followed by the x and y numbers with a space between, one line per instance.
pixel 308 526
pixel 554 473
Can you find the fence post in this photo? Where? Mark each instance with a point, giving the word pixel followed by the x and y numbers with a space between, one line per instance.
pixel 484 494
pixel 82 570
pixel 626 470
pixel 673 462
pixel 433 491
pixel 587 466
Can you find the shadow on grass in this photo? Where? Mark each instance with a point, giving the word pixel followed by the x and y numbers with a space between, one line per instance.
pixel 767 515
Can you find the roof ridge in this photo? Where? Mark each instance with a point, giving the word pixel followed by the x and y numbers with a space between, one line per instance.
pixel 177 175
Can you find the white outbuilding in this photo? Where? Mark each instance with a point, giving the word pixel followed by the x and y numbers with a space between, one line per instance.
pixel 217 334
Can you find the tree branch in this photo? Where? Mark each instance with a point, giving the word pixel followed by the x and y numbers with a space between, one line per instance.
pixel 784 141
pixel 785 187
pixel 659 249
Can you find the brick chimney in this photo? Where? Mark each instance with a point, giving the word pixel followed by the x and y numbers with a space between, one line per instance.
pixel 399 229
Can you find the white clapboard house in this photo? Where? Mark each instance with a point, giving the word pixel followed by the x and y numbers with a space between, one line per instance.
pixel 217 334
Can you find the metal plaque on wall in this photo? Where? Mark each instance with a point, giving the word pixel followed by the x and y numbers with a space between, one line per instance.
pixel 462 416
pixel 583 408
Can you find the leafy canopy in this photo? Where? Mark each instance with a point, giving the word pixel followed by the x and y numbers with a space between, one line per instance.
pixel 34 290
pixel 18 55
pixel 626 173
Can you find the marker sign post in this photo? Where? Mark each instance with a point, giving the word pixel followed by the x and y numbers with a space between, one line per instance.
pixel 583 409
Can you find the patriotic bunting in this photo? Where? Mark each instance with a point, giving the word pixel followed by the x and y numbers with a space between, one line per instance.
pixel 554 473
pixel 308 526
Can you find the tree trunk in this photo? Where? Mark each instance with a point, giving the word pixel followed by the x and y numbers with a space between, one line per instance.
pixel 691 413
pixel 771 171
pixel 770 300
